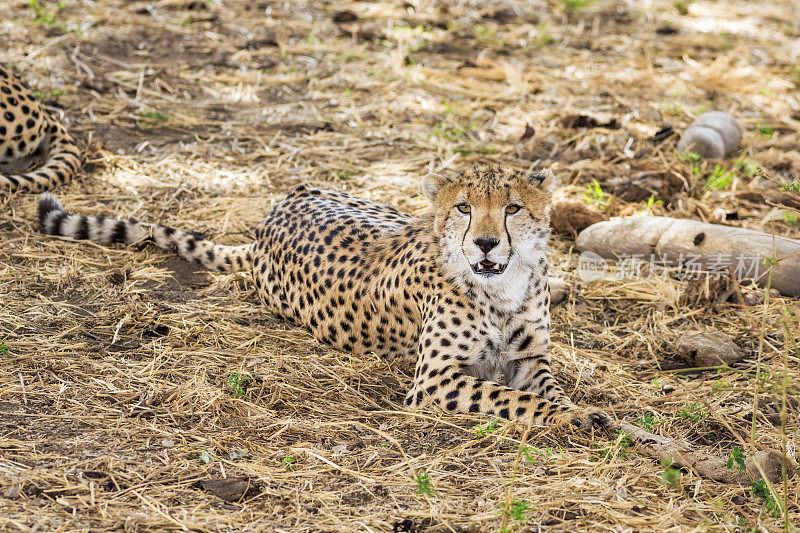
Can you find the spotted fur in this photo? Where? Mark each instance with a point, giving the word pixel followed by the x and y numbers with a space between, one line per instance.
pixel 25 127
pixel 462 291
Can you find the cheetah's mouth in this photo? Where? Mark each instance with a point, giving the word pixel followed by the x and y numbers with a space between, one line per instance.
pixel 488 268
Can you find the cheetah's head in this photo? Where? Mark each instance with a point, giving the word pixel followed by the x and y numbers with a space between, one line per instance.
pixel 492 222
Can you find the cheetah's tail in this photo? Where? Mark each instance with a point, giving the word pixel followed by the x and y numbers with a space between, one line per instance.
pixel 54 220
pixel 62 165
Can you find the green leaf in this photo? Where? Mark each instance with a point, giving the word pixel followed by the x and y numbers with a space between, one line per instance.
pixel 238 453
pixel 424 484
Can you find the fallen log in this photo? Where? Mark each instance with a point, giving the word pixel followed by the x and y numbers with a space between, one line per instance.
pixel 709 247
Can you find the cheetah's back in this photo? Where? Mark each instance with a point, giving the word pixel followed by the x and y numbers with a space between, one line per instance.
pixel 330 261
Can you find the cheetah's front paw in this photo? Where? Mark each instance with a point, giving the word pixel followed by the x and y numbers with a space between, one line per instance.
pixel 584 419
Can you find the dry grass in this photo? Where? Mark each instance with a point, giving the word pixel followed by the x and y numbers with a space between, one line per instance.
pixel 118 369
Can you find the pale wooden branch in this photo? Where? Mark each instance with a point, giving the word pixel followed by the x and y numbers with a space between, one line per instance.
pixel 702 462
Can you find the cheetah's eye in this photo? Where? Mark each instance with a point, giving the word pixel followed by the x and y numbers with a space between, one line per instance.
pixel 511 209
pixel 464 208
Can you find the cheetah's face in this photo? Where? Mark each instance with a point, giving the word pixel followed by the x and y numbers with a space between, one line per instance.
pixel 493 223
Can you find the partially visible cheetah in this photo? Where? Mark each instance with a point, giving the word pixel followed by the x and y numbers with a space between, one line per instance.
pixel 462 290
pixel 25 127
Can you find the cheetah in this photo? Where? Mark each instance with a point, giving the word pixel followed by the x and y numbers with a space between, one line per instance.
pixel 462 291
pixel 25 127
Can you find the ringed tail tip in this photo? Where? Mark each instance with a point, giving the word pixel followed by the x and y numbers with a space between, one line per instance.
pixel 48 204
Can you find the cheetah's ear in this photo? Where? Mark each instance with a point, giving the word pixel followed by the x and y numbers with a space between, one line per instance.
pixel 431 185
pixel 543 179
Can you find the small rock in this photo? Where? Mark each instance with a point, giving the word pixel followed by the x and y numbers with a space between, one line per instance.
pixel 757 298
pixel 12 492
pixel 339 449
pixel 713 135
pixel 771 463
pixel 709 349
pixel 231 489
pixel 666 388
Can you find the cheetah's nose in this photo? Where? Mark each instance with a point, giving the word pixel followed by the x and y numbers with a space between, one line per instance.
pixel 486 243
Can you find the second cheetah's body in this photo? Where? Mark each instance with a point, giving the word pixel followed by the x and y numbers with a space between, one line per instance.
pixel 25 127
pixel 364 277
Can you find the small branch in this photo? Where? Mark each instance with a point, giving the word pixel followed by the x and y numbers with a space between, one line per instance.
pixel 701 462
